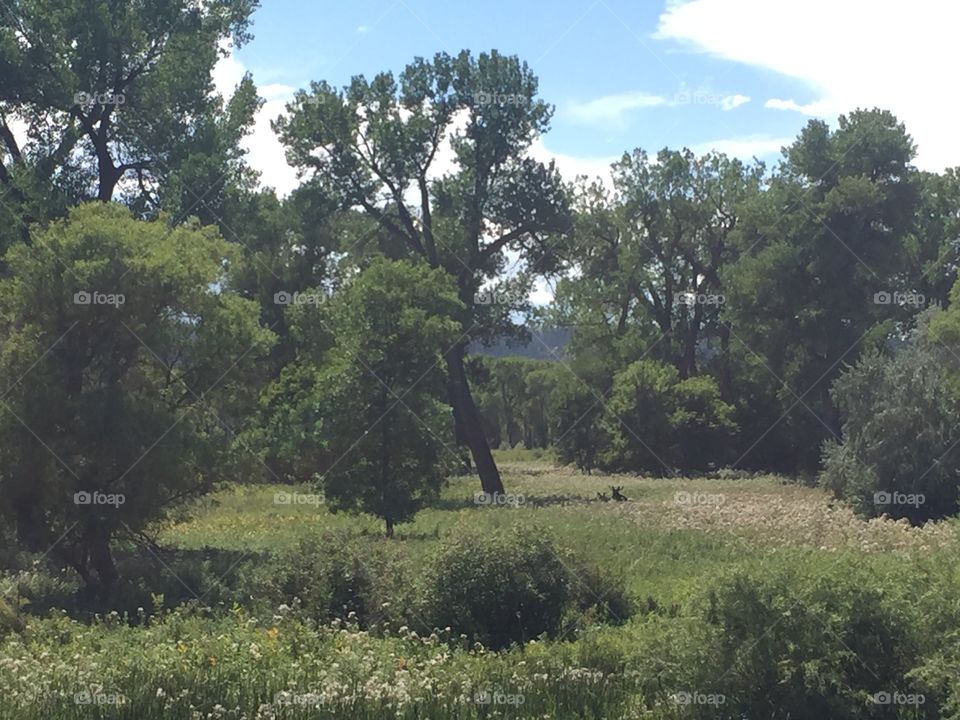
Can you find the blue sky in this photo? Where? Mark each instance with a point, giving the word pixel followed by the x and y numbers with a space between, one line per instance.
pixel 741 76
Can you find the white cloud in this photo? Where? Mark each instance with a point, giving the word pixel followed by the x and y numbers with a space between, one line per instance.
pixel 363 29
pixel 228 72
pixel 744 148
pixel 571 166
pixel 265 153
pixel 854 53
pixel 733 101
pixel 610 110
pixel 817 108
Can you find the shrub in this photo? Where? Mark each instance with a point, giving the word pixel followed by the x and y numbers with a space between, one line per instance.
pixel 601 597
pixel 324 574
pixel 885 401
pixel 499 587
pixel 578 434
pixel 9 618
pixel 820 643
pixel 658 423
pixel 38 590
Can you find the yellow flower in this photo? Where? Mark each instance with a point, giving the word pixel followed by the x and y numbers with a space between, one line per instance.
pixel 272 633
pixel 213 661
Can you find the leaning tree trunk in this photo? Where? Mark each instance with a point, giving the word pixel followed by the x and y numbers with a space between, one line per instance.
pixel 101 559
pixel 468 420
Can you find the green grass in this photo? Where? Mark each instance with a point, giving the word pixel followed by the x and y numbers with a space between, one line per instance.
pixel 664 550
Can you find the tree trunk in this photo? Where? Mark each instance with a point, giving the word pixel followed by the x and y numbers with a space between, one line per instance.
pixel 468 421
pixel 101 560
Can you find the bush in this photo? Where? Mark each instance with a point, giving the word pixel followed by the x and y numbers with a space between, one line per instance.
pixel 659 424
pixel 578 434
pixel 901 435
pixel 324 574
pixel 499 587
pixel 601 598
pixel 817 642
pixel 38 590
pixel 10 620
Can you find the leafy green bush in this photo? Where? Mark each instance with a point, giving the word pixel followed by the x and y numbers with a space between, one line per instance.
pixel 10 620
pixel 39 590
pixel 324 574
pixel 789 640
pixel 901 435
pixel 578 434
pixel 601 597
pixel 499 587
pixel 658 423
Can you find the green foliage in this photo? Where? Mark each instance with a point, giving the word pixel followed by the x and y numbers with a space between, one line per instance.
pixel 323 576
pixel 121 90
pixel 884 400
pixel 366 414
pixel 821 645
pixel 513 395
pixel 829 232
pixel 499 587
pixel 579 435
pixel 130 358
pixel 658 422
pixel 651 250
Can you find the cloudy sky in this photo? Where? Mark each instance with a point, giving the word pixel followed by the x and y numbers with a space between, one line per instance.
pixel 740 76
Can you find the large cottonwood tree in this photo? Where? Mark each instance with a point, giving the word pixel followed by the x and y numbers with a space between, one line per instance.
pixel 439 157
pixel 100 95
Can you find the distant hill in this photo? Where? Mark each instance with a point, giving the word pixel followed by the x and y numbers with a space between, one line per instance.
pixel 556 339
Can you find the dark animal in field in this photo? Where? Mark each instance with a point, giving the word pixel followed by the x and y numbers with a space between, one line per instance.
pixel 603 497
pixel 617 495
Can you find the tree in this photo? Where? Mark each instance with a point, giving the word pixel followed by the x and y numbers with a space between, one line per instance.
pixel 97 92
pixel 125 367
pixel 652 250
pixel 378 144
pixel 512 394
pixel 885 398
pixel 660 424
pixel 821 254
pixel 369 407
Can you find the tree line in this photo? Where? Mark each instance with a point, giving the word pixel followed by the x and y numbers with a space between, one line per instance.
pixel 166 324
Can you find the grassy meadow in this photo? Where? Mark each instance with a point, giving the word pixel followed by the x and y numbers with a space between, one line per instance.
pixel 804 600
